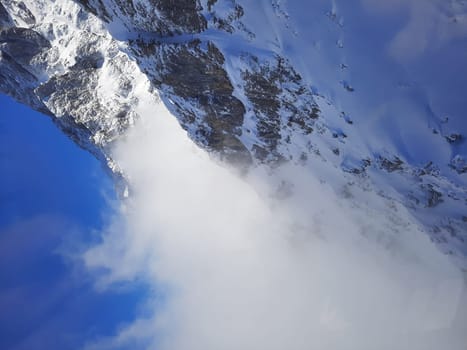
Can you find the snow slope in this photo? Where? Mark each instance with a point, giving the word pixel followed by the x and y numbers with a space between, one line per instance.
pixel 365 95
pixel 344 122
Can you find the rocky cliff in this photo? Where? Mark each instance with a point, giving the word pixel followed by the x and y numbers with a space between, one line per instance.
pixel 259 84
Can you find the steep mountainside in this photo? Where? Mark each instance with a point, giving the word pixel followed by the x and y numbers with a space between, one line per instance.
pixel 365 106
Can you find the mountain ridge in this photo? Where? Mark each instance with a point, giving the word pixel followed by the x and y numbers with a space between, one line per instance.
pixel 250 93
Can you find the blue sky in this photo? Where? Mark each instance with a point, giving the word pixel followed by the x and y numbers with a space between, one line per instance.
pixel 53 199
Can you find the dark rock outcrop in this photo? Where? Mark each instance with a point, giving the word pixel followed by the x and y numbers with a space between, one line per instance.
pixel 248 105
pixel 160 17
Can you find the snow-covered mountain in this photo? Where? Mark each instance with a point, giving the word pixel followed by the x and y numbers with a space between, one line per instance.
pixel 365 94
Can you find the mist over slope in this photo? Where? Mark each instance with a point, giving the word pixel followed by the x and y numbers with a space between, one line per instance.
pixel 234 263
pixel 367 92
pixel 296 170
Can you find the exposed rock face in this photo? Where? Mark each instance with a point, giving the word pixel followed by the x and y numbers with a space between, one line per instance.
pixel 194 80
pixel 18 47
pixel 282 105
pixel 237 95
pixel 162 17
pixel 5 20
pixel 72 71
pixel 22 43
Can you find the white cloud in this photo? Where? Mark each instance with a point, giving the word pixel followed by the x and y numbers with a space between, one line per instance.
pixel 241 270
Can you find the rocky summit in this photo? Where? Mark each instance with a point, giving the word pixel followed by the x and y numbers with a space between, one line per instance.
pixel 259 84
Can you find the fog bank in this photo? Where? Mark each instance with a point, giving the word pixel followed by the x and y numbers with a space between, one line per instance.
pixel 235 264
